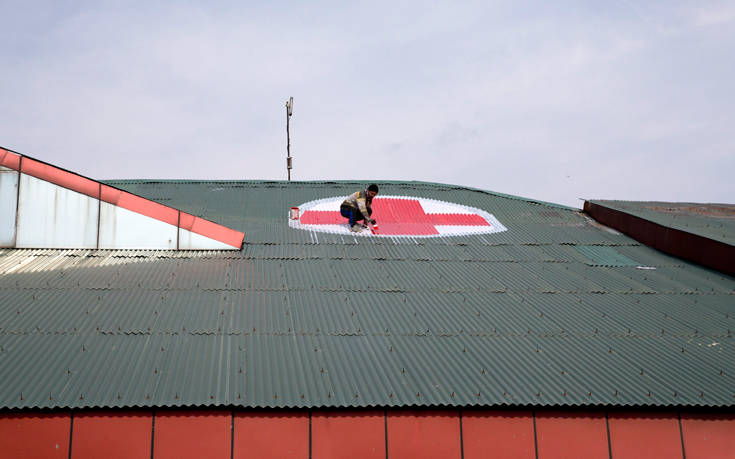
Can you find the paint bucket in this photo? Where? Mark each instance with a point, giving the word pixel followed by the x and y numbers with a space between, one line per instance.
pixel 374 228
pixel 294 213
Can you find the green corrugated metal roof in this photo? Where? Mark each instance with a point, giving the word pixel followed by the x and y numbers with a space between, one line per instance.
pixel 556 310
pixel 713 221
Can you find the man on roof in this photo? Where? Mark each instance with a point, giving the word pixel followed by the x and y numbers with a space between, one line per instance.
pixel 358 207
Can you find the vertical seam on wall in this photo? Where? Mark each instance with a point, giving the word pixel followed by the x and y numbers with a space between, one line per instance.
pixel 178 232
pixel 385 424
pixel 99 214
pixel 71 431
pixel 309 434
pixel 535 440
pixel 153 430
pixel 232 432
pixel 17 200
pixel 681 435
pixel 461 436
pixel 609 441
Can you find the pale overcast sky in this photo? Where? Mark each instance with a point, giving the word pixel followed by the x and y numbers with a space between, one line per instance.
pixel 553 100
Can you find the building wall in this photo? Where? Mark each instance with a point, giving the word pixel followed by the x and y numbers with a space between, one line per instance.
pixel 366 434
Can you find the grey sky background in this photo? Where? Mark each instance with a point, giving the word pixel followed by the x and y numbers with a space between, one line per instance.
pixel 550 100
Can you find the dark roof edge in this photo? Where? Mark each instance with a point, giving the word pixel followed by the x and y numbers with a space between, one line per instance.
pixel 628 201
pixel 392 182
pixel 711 407
pixel 692 247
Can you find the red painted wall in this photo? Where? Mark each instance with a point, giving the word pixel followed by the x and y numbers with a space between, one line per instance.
pixel 353 434
pixel 192 434
pixel 35 435
pixel 710 436
pixel 650 435
pixel 112 434
pixel 271 434
pixel 425 434
pixel 369 434
pixel 498 434
pixel 564 434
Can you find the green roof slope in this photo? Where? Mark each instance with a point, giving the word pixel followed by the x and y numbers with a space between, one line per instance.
pixel 713 221
pixel 556 311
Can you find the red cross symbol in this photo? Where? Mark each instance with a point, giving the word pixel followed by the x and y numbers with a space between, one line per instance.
pixel 403 217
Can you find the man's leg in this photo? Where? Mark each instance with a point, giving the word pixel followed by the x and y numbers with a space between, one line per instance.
pixel 359 217
pixel 348 213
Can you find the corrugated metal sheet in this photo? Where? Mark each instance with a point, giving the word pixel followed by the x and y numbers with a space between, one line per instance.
pixel 555 311
pixel 605 256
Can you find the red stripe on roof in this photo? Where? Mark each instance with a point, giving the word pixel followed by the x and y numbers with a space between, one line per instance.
pixel 388 228
pixel 458 219
pixel 211 230
pixel 9 159
pixel 398 217
pixel 406 229
pixel 322 217
pixel 391 210
pixel 60 177
pixel 139 205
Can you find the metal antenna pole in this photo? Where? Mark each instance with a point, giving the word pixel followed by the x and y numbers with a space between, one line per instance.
pixel 289 112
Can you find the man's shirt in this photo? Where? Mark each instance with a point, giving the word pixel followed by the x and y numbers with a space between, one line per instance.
pixel 360 201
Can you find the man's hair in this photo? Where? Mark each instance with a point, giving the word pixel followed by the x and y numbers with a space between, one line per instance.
pixel 373 187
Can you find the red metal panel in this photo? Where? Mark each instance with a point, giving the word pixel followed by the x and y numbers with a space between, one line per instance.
pixel 112 434
pixel 35 435
pixel 339 434
pixel 211 230
pixel 571 435
pixel 640 434
pixel 60 177
pixel 424 434
pixel 139 205
pixel 274 434
pixel 498 434
pixel 710 436
pixel 9 159
pixel 458 219
pixel 192 434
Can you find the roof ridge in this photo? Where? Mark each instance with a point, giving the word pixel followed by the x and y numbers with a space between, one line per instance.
pixel 394 182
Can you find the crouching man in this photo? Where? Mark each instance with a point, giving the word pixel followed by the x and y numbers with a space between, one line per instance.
pixel 358 207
